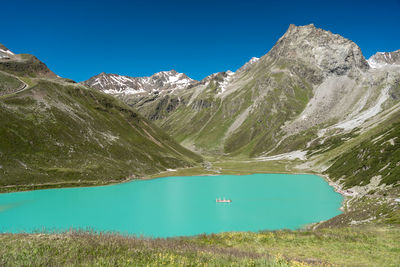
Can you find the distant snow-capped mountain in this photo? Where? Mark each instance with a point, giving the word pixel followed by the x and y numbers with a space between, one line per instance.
pixel 124 85
pixel 382 59
pixel 164 82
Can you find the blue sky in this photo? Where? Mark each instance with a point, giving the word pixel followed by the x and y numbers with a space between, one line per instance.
pixel 79 39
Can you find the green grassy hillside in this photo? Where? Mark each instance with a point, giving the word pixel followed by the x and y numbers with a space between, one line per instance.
pixel 26 65
pixel 377 156
pixel 67 134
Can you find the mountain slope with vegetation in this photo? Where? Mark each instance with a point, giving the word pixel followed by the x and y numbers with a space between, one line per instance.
pixel 379 157
pixel 58 133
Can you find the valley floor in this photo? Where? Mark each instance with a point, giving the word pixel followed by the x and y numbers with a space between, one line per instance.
pixel 208 168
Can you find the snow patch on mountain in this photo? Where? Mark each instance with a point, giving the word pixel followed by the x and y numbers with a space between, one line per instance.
pixel 382 59
pixel 127 91
pixel 124 85
pixel 225 82
pixel 298 154
pixel 249 63
pixel 5 53
pixel 253 60
pixel 374 64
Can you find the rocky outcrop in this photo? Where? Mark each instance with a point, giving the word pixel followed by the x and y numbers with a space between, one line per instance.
pixel 332 53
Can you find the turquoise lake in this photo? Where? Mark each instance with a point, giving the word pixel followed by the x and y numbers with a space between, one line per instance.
pixel 175 206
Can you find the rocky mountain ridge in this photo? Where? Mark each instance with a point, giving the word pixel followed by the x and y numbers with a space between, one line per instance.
pixel 323 52
pixel 311 83
pixel 119 85
pixel 23 64
pixel 135 89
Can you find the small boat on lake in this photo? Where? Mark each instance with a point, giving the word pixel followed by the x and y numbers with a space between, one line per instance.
pixel 219 200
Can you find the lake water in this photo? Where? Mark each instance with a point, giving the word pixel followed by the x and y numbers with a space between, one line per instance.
pixel 175 206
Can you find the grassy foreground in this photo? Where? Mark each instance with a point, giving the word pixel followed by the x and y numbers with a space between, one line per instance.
pixel 377 246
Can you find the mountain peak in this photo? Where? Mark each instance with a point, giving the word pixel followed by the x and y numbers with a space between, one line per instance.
pixel 23 64
pixel 332 53
pixel 293 26
pixel 299 30
pixel 171 76
pixel 171 72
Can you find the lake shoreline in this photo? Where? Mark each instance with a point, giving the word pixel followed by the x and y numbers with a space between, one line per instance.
pixel 194 171
pixel 163 174
pixel 80 184
pixel 292 201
